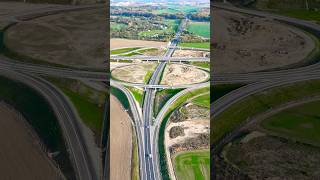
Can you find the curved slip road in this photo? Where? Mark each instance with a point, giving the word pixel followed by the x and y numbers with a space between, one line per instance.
pixel 68 121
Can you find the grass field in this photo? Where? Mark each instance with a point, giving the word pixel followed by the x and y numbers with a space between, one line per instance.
pixel 228 120
pixel 123 50
pixel 90 110
pixel 301 123
pixel 205 45
pixel 199 28
pixel 203 100
pixel 193 165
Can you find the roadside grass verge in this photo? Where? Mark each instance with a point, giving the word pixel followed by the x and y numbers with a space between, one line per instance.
pixel 148 76
pixel 162 97
pixel 121 97
pixel 147 50
pixel 205 45
pixel 217 91
pixel 39 114
pixel 137 94
pixel 299 123
pixel 122 61
pixel 192 165
pixel 88 102
pixel 203 100
pixel 308 15
pixel 231 118
pixel 123 50
pixel 161 145
pixel 201 64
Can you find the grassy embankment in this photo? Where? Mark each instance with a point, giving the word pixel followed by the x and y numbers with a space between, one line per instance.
pixel 88 102
pixel 203 100
pixel 222 89
pixel 231 118
pixel 39 114
pixel 300 123
pixel 162 153
pixel 192 165
pixel 162 97
pixel 137 94
pixel 201 64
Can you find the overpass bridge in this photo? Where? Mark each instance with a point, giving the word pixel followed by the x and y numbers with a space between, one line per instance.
pixel 160 59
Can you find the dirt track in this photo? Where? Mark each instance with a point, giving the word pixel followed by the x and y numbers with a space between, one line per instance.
pixel 120 142
pixel 20 155
pixel 243 43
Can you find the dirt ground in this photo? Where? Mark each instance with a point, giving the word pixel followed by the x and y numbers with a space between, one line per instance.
pixel 178 74
pixel 119 43
pixel 189 53
pixel 120 142
pixel 243 43
pixel 134 73
pixel 193 119
pixel 73 39
pixel 21 156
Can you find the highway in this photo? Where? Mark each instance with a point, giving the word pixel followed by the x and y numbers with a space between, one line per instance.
pixel 68 121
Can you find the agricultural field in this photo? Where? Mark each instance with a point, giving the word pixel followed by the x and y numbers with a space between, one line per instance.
pixel 199 28
pixel 193 165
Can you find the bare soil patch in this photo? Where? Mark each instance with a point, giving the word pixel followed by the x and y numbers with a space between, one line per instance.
pixel 21 155
pixel 116 43
pixel 120 142
pixel 72 39
pixel 188 128
pixel 189 53
pixel 244 43
pixel 178 74
pixel 134 73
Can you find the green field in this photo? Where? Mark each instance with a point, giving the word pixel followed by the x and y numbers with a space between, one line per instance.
pixel 199 28
pixel 123 50
pixel 193 165
pixel 205 45
pixel 301 123
pixel 203 100
pixel 231 118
